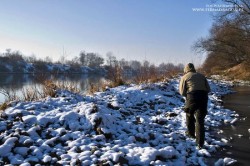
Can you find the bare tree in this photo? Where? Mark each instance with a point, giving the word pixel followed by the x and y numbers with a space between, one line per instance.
pixel 111 59
pixel 48 59
pixel 90 59
pixel 228 42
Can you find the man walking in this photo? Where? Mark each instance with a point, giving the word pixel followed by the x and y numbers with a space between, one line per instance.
pixel 195 88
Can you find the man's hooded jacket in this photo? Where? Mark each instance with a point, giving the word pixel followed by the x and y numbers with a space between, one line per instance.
pixel 192 81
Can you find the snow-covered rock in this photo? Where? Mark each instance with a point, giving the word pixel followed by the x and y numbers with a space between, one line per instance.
pixel 225 161
pixel 127 125
pixel 6 147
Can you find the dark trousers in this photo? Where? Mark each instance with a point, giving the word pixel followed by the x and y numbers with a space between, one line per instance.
pixel 196 111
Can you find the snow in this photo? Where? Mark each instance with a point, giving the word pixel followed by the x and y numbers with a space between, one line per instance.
pixel 239 135
pixel 225 161
pixel 29 119
pixel 46 159
pixel 25 164
pixel 127 125
pixel 7 146
pixel 234 120
pixel 204 152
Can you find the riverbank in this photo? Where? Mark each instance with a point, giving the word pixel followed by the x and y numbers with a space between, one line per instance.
pixel 134 125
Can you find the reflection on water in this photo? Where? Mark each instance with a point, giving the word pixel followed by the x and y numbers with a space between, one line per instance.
pixel 239 147
pixel 18 81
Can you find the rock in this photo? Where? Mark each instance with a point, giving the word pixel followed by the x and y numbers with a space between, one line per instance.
pixel 171 114
pixel 109 105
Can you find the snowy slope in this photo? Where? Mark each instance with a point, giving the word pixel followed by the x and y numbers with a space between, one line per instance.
pixel 133 125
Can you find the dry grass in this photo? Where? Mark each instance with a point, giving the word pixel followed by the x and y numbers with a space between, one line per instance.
pixel 33 93
pixel 50 87
pixel 10 94
pixel 30 94
pixel 240 71
pixel 3 106
pixel 115 76
pixel 154 77
pixel 101 86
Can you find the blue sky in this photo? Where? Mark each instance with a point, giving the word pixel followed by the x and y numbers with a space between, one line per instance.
pixel 155 30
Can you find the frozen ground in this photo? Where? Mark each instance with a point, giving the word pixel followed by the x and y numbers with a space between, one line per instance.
pixel 126 125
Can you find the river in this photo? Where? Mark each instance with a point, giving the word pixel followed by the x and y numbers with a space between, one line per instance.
pixel 17 82
pixel 238 147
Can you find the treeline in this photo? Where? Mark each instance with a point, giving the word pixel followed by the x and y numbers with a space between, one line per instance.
pixel 228 43
pixel 16 62
pixel 120 70
pixel 116 70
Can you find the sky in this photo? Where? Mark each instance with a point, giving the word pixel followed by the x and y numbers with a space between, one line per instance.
pixel 154 30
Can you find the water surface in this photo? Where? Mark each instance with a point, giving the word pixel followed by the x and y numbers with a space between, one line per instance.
pixel 239 145
pixel 17 82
